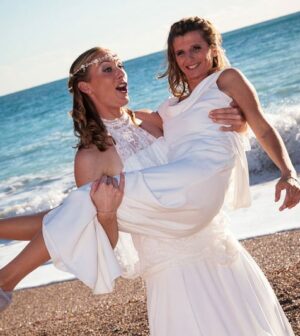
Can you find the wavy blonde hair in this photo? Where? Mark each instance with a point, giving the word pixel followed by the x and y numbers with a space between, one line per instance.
pixel 176 78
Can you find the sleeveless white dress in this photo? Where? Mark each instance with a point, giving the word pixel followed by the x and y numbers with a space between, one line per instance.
pixel 199 279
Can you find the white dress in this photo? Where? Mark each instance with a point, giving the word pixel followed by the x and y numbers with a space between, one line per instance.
pixel 199 279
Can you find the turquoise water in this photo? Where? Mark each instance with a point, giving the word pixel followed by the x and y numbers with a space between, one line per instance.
pixel 36 135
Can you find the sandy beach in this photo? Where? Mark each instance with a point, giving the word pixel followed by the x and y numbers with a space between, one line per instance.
pixel 37 138
pixel 69 308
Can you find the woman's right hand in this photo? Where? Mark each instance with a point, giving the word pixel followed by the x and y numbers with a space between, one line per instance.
pixel 231 118
pixel 107 194
pixel 291 186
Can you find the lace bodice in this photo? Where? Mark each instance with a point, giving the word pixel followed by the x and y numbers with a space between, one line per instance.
pixel 129 137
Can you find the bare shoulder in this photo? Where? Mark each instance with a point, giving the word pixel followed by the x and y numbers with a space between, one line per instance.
pixel 232 81
pixel 87 164
pixel 85 156
pixel 229 77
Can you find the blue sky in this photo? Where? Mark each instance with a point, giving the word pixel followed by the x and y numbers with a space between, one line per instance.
pixel 41 38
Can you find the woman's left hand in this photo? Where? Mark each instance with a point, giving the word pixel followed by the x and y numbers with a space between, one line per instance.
pixel 107 194
pixel 291 186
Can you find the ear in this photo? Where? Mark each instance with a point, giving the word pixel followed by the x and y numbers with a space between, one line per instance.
pixel 84 87
pixel 214 52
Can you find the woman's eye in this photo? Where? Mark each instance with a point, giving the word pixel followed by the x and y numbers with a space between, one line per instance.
pixel 107 69
pixel 196 48
pixel 179 53
pixel 121 66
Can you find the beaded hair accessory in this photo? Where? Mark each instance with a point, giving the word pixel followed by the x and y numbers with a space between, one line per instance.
pixel 98 60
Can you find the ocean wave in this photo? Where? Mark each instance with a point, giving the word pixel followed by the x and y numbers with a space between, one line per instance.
pixel 286 120
pixel 33 193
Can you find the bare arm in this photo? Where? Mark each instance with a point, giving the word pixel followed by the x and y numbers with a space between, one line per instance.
pixel 27 226
pixel 21 227
pixel 232 117
pixel 107 196
pixel 88 168
pixel 150 117
pixel 234 84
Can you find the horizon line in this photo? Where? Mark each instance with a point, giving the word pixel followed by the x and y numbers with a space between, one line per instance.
pixel 236 30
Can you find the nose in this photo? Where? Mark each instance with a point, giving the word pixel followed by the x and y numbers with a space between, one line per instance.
pixel 120 73
pixel 190 54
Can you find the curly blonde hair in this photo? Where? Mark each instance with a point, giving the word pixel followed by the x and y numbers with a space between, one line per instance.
pixel 176 78
pixel 88 125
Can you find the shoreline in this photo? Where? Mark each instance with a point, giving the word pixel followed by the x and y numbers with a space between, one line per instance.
pixel 244 223
pixel 69 308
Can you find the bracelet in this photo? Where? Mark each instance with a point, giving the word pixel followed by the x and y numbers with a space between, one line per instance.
pixel 105 212
pixel 293 178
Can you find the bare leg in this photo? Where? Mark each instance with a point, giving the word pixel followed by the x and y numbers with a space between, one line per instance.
pixel 21 227
pixel 33 255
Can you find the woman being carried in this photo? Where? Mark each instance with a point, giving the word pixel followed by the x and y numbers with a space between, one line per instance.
pixel 219 289
pixel 107 137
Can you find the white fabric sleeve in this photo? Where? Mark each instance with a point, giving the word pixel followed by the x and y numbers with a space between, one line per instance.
pixel 172 200
pixel 78 244
pixel 176 199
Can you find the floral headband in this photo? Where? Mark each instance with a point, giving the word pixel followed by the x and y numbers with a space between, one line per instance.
pixel 83 67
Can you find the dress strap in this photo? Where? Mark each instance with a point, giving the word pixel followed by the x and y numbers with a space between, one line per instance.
pixel 215 76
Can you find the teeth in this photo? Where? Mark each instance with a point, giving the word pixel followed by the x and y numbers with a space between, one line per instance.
pixel 121 86
pixel 191 67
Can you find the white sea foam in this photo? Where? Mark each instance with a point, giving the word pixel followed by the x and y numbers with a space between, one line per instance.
pixel 33 193
pixel 261 168
pixel 249 222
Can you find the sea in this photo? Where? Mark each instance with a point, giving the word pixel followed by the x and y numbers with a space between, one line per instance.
pixel 37 141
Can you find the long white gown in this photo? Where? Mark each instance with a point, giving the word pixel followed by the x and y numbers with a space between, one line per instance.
pixel 199 279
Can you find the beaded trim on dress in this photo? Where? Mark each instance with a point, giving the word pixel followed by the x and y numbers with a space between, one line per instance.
pixel 129 137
